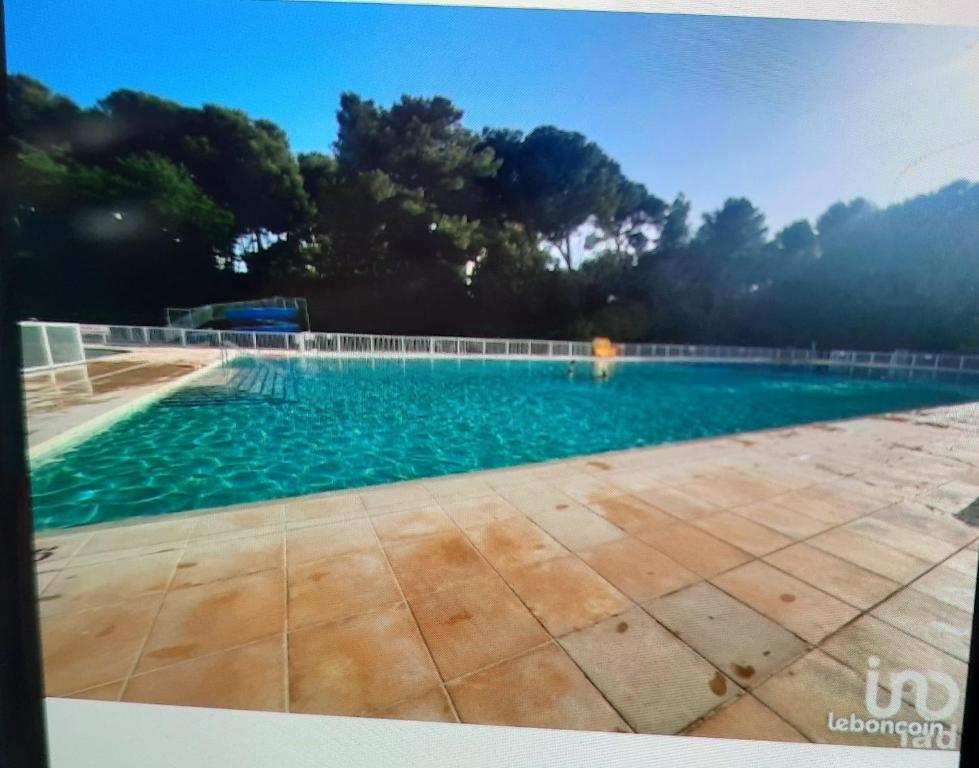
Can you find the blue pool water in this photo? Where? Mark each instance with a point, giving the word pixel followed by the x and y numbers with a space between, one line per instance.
pixel 268 428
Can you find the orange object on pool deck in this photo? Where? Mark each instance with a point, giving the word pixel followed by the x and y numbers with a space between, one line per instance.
pixel 603 347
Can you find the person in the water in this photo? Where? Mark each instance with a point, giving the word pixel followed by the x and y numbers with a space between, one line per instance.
pixel 571 370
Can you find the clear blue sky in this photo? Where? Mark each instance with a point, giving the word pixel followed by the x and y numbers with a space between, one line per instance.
pixel 793 114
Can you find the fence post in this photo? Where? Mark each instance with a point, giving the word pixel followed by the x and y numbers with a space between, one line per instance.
pixel 183 337
pixel 47 345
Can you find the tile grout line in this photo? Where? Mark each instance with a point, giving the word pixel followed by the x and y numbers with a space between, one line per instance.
pixel 552 638
pixel 156 617
pixel 286 672
pixel 506 583
pixel 414 619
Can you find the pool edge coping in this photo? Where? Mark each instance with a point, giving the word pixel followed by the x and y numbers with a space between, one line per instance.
pixel 284 500
pixel 39 454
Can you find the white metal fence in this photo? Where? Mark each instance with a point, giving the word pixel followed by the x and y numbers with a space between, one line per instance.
pixel 374 345
pixel 50 345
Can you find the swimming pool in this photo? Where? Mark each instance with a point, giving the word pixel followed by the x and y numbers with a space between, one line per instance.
pixel 264 428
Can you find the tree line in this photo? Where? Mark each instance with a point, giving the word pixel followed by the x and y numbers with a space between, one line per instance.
pixel 415 223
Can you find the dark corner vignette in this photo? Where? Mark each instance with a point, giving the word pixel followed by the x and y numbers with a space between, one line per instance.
pixel 22 733
pixel 969 745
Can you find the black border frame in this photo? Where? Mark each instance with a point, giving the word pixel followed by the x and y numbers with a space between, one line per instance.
pixel 22 728
pixel 23 742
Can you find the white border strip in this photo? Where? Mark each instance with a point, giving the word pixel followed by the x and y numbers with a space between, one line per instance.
pixel 99 734
pixel 944 12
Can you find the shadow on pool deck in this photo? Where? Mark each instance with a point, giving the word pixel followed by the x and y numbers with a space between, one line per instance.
pixel 724 587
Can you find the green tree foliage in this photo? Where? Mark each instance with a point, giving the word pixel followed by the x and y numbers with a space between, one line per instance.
pixel 37 116
pixel 556 181
pixel 413 222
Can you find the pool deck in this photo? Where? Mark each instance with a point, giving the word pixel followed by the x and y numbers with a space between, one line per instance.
pixel 730 587
pixel 63 402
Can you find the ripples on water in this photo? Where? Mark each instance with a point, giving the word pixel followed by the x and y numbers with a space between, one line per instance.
pixel 268 428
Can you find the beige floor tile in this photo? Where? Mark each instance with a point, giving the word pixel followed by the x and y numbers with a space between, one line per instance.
pixel 728 491
pixel 565 594
pixel 631 514
pixel 937 623
pixel 539 689
pixel 436 562
pixel 577 528
pixel 656 682
pixel 501 479
pixel 746 718
pixel 325 509
pixel 874 556
pixel 514 542
pixel 43 580
pixel 50 566
pixel 107 692
pixel 906 540
pixel 866 637
pixel 472 513
pixel 734 638
pixel 360 665
pixel 811 502
pixel 807 692
pixel 678 503
pixel 114 556
pixel 538 496
pixel 89 648
pixel 400 526
pixel 950 586
pixel 920 518
pixel 319 541
pixel 242 521
pixel 637 569
pixel 789 523
pixel 858 496
pixel 804 610
pixel 742 533
pixel 458 488
pixel 694 549
pixel 139 535
pixel 249 677
pixel 633 481
pixel 107 583
pixel 966 561
pixel 433 706
pixel 202 563
pixel 340 586
pixel 585 489
pixel 840 578
pixel 59 546
pixel 407 495
pixel 216 616
pixel 475 624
